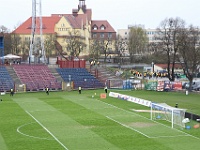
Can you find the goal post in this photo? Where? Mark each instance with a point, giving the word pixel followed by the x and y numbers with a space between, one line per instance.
pixel 162 111
pixel 114 83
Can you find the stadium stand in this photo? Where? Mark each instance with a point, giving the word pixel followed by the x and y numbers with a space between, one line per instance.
pixel 80 77
pixel 6 82
pixel 36 77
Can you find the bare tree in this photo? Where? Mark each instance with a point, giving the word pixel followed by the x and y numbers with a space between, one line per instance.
pixel 75 43
pixel 95 49
pixel 167 35
pixel 15 44
pixel 4 29
pixel 7 39
pixel 121 46
pixel 153 47
pixel 189 51
pixel 49 45
pixel 138 41
pixel 59 50
pixel 24 48
pixel 104 48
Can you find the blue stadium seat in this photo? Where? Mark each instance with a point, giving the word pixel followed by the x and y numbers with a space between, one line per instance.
pixel 6 82
pixel 80 77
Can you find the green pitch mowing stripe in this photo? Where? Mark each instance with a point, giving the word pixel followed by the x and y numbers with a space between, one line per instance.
pixel 68 120
pixel 2 143
pixel 137 123
pixel 64 129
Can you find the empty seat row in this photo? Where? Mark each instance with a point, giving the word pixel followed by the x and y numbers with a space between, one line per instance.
pixel 80 77
pixel 6 82
pixel 36 77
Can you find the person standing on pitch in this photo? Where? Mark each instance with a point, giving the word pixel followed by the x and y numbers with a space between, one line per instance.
pixel 47 90
pixel 11 92
pixel 79 90
pixel 106 89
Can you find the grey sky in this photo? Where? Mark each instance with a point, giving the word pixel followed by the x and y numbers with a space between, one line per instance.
pixel 120 13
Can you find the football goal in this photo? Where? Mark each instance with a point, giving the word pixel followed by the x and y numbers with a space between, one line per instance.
pixel 162 111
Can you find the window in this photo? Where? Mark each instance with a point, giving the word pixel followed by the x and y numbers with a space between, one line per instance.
pixel 95 27
pixel 102 35
pixel 109 35
pixel 62 25
pixel 102 27
pixel 94 35
pixel 27 38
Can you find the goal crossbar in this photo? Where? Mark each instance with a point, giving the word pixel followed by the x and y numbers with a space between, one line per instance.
pixel 168 113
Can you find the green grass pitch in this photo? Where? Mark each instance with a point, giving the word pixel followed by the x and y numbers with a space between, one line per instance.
pixel 72 121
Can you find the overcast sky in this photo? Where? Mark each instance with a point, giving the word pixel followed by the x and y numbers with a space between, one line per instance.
pixel 119 13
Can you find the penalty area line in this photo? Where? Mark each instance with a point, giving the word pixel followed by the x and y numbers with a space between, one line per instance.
pixel 47 130
pixel 127 126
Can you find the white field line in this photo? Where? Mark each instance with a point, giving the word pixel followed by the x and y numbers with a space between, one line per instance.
pixel 47 131
pixel 186 134
pixel 127 126
pixel 18 130
pixel 168 136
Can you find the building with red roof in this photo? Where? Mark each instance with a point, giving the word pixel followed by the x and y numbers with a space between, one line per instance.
pixel 59 27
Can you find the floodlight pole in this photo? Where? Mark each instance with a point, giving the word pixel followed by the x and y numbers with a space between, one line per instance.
pixel 37 33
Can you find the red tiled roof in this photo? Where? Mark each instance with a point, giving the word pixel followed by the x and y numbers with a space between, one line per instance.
pixel 164 66
pixel 89 14
pixel 99 23
pixel 78 21
pixel 48 25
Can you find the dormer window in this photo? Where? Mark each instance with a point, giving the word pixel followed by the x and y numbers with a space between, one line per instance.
pixel 102 27
pixel 95 27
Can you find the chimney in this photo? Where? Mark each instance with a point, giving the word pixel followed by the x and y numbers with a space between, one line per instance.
pixel 75 12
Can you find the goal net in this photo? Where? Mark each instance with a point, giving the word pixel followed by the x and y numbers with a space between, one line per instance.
pixel 20 88
pixel 162 111
pixel 67 86
pixel 114 83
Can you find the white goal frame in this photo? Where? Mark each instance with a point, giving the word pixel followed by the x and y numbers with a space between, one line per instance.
pixel 168 113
